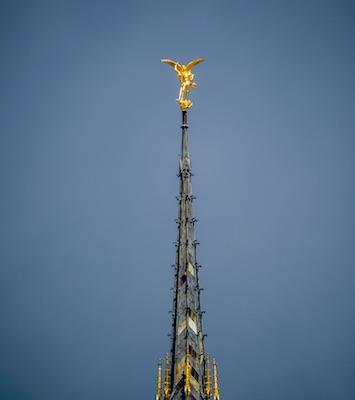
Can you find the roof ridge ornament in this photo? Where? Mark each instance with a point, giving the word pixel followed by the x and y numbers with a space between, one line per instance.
pixel 186 78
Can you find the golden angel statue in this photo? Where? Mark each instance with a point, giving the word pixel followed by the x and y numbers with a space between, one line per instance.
pixel 186 78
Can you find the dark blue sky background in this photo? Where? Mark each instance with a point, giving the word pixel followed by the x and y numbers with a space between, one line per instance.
pixel 90 137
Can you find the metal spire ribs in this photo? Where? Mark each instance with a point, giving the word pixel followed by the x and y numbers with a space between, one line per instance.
pixel 187 374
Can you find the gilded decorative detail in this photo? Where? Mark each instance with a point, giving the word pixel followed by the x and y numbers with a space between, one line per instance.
pixel 158 395
pixel 208 388
pixel 187 387
pixel 186 78
pixel 189 374
pixel 215 381
pixel 167 378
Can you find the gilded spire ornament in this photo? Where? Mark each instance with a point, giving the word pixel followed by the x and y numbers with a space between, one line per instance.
pixel 158 395
pixel 208 388
pixel 215 381
pixel 186 78
pixel 167 377
pixel 188 374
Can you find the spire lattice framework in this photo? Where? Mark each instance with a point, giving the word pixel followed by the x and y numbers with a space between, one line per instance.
pixel 187 367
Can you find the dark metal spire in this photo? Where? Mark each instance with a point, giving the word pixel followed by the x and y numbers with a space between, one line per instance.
pixel 187 349
pixel 187 370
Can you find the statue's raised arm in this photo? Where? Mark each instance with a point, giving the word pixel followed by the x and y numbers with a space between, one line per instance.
pixel 186 78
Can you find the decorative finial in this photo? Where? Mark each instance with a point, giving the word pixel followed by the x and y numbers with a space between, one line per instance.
pixel 186 78
pixel 215 381
pixel 207 378
pixel 167 378
pixel 158 396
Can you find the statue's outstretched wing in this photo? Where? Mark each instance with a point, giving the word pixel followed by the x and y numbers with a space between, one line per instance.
pixel 193 63
pixel 174 64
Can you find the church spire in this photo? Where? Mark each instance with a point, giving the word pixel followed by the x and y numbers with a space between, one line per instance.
pixel 187 349
pixel 188 374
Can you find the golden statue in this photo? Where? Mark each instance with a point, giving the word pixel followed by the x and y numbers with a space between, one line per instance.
pixel 186 78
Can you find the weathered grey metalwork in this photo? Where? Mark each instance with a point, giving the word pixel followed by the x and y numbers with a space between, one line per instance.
pixel 187 334
pixel 187 369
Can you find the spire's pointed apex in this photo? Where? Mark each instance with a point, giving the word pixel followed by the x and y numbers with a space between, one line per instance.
pixel 185 163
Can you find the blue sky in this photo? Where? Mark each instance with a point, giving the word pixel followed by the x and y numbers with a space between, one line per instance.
pixel 90 140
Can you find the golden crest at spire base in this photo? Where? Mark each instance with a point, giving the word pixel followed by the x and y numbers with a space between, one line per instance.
pixel 186 78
